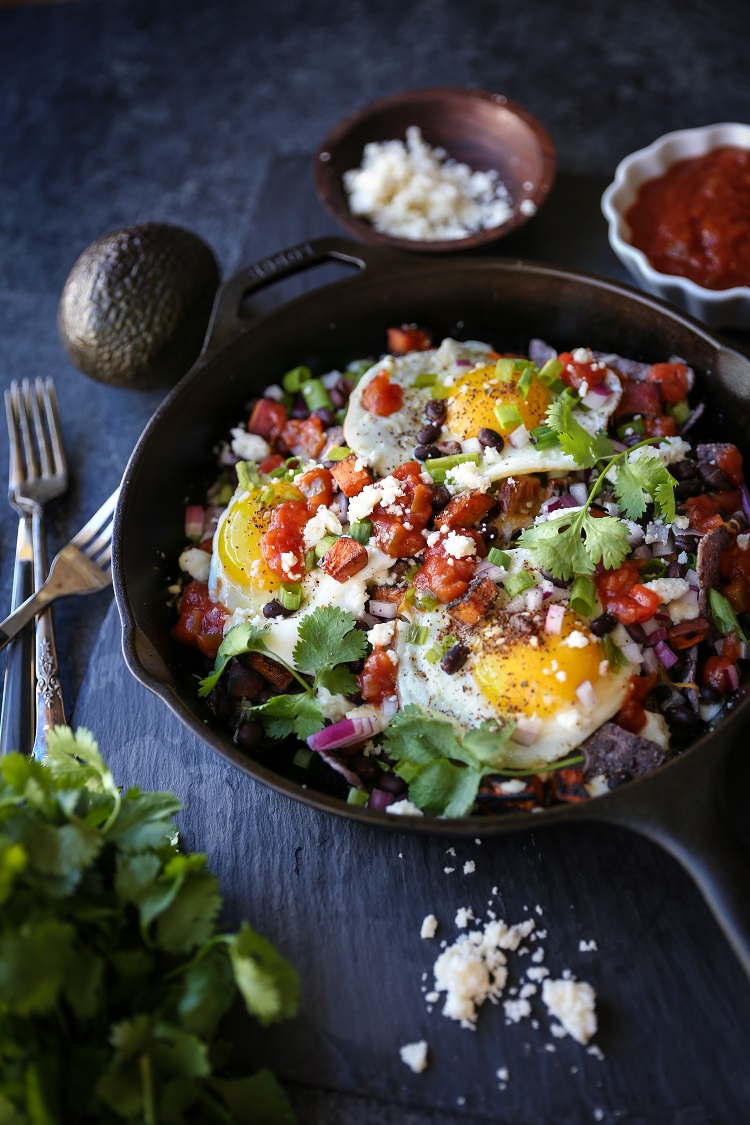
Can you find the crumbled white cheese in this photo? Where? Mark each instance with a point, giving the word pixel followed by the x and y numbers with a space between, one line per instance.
pixel 414 1055
pixel 196 563
pixel 685 608
pixel 656 532
pixel 381 634
pixel 385 492
pixel 516 1010
pixel 467 476
pixel 670 451
pixel 576 639
pixel 588 946
pixel 403 808
pixel 470 867
pixel 459 546
pixel 429 927
pixel 290 565
pixel 324 522
pixel 668 589
pixel 334 707
pixel 573 1004
pixel 527 207
pixel 503 1074
pixel 537 972
pixel 464 915
pixel 513 785
pixel 249 447
pixel 583 355
pixel 743 541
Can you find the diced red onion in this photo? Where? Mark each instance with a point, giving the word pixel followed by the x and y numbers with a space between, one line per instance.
pixel 340 506
pixel 472 445
pixel 464 363
pixel 619 446
pixel 534 599
pixel 274 392
pixel 632 652
pixel 744 651
pixel 528 729
pixel 369 620
pixel 650 626
pixel 586 695
pixel 227 459
pixel 489 570
pixel 519 438
pixel 745 497
pixel 195 521
pixel 346 732
pixel 380 799
pixel 692 579
pixel 595 396
pixel 636 535
pixel 663 616
pixel 719 646
pixel 564 501
pixel 659 634
pixel 665 654
pixel 601 389
pixel 643 552
pixel 650 661
pixel 554 619
pixel 661 549
pixel 330 379
pixel 733 677
pixel 580 493
pixel 384 611
pixel 388 708
pixel 674 699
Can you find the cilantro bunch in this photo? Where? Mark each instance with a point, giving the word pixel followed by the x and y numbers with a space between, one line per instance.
pixel 113 977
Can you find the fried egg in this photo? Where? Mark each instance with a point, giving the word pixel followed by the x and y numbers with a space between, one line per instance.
pixel 558 688
pixel 468 381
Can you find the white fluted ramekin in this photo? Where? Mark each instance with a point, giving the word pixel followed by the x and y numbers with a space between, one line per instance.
pixel 718 308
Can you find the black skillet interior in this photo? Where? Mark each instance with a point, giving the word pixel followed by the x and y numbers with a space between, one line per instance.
pixel 504 302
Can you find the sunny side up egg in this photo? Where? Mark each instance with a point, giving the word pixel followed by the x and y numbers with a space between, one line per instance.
pixel 559 688
pixel 466 374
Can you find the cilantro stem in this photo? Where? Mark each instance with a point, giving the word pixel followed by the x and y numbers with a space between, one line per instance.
pixel 117 798
pixel 147 1085
pixel 578 524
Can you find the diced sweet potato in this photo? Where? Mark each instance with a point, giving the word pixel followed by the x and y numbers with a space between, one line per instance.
pixel 345 558
pixel 639 398
pixel 465 510
pixel 267 419
pixel 407 338
pixel 472 606
pixel 351 478
pixel 303 436
pixel 273 673
pixel 388 594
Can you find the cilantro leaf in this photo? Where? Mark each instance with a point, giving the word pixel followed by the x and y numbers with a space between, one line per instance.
pixel 486 742
pixel 417 737
pixel 258 1100
pixel 327 637
pixel 283 715
pixel 339 681
pixel 646 477
pixel 606 540
pixel 444 789
pixel 585 449
pixel 558 547
pixel 242 638
pixel 268 983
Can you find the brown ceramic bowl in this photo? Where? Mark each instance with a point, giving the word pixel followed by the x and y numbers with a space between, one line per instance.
pixel 475 127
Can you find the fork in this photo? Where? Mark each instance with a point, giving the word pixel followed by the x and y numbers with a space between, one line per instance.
pixel 37 473
pixel 83 566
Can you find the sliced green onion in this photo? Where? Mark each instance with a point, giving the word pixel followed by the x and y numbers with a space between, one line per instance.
pixel 315 395
pixel 303 757
pixel 680 411
pixel 550 372
pixel 439 466
pixel 247 474
pixel 427 602
pixel 634 426
pixel 225 493
pixel 337 453
pixel 412 572
pixel 417 634
pixel 268 495
pixel 310 559
pixel 498 557
pixel 323 546
pixel 508 416
pixel 544 437
pixel 656 568
pixel 440 390
pixel 355 371
pixel 290 595
pixel 725 619
pixel 613 653
pixel 286 470
pixel 295 379
pixel 524 383
pixel 357 797
pixel 505 369
pixel 426 379
pixel 691 561
pixel 361 530
pixel 583 595
pixel 517 583
pixel 435 653
pixel 571 396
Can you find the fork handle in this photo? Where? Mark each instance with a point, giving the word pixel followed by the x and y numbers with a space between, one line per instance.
pixel 17 716
pixel 50 709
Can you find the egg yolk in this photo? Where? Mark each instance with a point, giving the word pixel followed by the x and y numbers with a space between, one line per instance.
pixel 536 672
pixel 476 394
pixel 238 543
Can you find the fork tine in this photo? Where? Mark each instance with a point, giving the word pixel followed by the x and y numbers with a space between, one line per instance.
pixel 94 526
pixel 11 414
pixel 29 456
pixel 40 433
pixel 48 397
pixel 101 541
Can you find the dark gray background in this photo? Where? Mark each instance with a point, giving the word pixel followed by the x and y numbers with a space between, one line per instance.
pixel 207 115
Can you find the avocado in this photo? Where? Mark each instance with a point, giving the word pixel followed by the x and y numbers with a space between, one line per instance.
pixel 135 306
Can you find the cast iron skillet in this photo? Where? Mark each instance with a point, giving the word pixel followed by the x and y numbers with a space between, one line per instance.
pixel 694 806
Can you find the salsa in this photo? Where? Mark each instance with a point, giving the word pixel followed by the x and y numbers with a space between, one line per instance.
pixel 695 219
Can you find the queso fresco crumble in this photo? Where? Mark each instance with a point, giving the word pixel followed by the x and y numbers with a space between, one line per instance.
pixel 450 581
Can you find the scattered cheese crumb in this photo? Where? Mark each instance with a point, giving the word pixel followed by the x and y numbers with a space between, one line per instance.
pixel 381 634
pixel 196 563
pixel 249 447
pixel 470 867
pixel 588 947
pixel 459 546
pixel 403 808
pixel 324 522
pixel 414 1055
pixel 429 927
pixel 573 1004
pixel 516 1010
pixel 464 915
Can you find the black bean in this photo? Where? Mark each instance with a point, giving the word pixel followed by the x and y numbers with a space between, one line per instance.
pixel 627 441
pixel 435 410
pixel 685 542
pixel 337 397
pixel 274 608
pixel 299 408
pixel 713 476
pixel 455 658
pixel 490 532
pixel 429 433
pixel 243 683
pixel 603 624
pixel 675 570
pixel 741 520
pixel 327 417
pixel 681 716
pixel 684 470
pixel 687 488
pixel 391 783
pixel 449 448
pixel 637 633
pixel 709 694
pixel 490 438
pixel 248 735
pixel 440 497
pixel 426 452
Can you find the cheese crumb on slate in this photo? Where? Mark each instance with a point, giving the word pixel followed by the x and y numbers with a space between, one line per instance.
pixel 573 1004
pixel 470 867
pixel 429 927
pixel 414 1055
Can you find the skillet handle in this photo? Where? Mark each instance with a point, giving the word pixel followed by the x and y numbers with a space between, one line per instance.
pixel 227 319
pixel 696 810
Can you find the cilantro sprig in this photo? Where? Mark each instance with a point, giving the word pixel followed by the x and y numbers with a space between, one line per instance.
pixel 570 545
pixel 114 977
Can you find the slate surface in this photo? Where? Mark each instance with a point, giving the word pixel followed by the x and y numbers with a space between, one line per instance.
pixel 207 116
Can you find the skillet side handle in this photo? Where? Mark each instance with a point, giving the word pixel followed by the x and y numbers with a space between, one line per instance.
pixel 697 821
pixel 227 321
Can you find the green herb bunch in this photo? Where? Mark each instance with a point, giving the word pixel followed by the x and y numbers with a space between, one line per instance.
pixel 113 977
